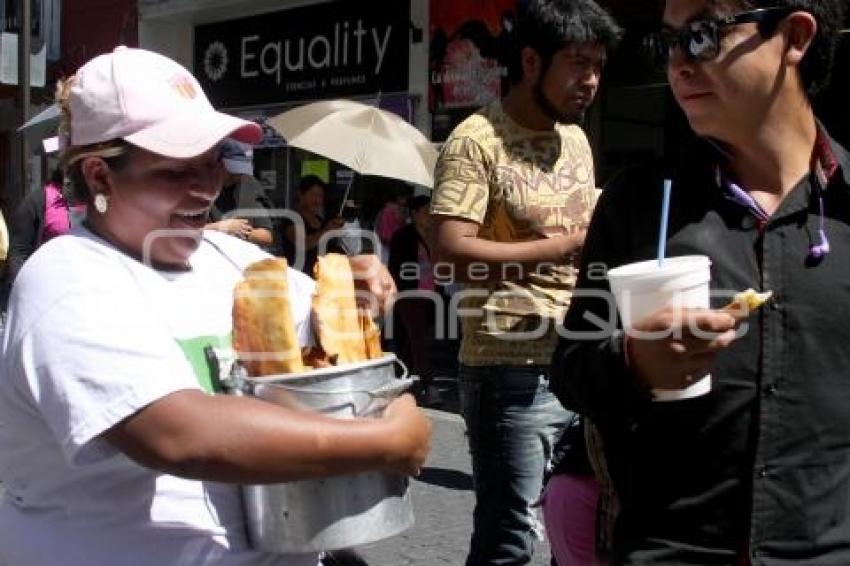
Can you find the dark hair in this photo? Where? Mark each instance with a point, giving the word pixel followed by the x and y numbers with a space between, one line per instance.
pixel 548 26
pixel 57 176
pixel 78 189
pixel 418 202
pixel 309 181
pixel 816 67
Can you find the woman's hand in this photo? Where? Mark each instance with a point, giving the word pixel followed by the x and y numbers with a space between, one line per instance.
pixel 238 227
pixel 376 285
pixel 410 435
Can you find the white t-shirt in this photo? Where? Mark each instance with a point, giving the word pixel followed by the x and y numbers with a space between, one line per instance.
pixel 92 337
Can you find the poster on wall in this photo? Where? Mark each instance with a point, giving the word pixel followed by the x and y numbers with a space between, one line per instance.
pixel 325 50
pixel 468 57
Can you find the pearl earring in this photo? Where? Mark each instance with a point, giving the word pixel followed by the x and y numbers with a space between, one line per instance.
pixel 101 203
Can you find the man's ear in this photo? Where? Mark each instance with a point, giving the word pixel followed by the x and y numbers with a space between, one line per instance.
pixel 531 64
pixel 97 174
pixel 801 28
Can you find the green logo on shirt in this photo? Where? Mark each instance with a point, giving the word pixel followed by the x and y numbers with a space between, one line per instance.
pixel 200 352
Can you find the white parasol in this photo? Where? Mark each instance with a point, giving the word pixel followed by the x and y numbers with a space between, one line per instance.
pixel 369 140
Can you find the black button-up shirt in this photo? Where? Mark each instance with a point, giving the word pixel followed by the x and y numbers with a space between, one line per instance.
pixel 759 469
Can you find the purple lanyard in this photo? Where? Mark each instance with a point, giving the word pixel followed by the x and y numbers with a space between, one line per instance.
pixel 820 178
pixel 738 195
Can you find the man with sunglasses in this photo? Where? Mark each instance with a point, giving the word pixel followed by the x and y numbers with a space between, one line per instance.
pixel 758 470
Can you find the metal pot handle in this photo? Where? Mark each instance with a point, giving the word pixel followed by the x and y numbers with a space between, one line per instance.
pixel 405 373
pixel 236 381
pixel 391 390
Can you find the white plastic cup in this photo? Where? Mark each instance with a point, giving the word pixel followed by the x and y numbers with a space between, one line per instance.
pixel 645 287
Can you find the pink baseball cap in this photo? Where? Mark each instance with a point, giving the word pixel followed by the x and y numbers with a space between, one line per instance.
pixel 151 102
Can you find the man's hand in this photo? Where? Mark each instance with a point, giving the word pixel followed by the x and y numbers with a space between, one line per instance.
pixel 565 248
pixel 676 346
pixel 371 276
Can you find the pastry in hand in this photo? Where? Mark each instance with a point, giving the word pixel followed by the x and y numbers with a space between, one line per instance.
pixel 335 314
pixel 264 334
pixel 745 302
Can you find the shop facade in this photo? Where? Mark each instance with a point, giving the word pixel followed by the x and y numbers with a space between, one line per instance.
pixel 257 59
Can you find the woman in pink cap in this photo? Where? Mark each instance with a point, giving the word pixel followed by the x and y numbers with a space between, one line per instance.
pixel 113 447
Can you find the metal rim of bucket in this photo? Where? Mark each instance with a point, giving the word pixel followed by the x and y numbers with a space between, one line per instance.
pixel 388 357
pixel 398 385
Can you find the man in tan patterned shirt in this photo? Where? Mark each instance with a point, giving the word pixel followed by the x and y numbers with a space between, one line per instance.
pixel 514 191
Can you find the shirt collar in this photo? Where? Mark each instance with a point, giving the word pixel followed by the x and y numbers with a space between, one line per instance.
pixel 839 155
pixel 828 157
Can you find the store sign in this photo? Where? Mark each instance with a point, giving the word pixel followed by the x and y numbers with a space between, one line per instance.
pixel 470 47
pixel 320 51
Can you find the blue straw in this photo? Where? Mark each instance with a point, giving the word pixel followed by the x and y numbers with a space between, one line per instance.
pixel 665 216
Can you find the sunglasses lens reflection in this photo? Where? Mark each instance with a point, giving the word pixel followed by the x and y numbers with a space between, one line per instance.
pixel 698 41
pixel 701 43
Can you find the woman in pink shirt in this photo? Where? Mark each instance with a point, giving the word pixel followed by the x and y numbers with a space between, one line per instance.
pixel 390 219
pixel 57 211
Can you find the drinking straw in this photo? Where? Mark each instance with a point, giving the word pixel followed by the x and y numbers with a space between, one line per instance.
pixel 665 216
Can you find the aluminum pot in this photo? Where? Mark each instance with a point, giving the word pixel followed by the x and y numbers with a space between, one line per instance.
pixel 341 511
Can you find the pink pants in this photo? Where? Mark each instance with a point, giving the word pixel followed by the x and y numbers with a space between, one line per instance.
pixel 569 513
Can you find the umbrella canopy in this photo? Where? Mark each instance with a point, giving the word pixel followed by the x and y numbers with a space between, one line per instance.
pixel 42 125
pixel 369 140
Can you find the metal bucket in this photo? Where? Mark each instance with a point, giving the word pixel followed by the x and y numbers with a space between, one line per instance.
pixel 341 511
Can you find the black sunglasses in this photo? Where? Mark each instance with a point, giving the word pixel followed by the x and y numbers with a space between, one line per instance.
pixel 700 39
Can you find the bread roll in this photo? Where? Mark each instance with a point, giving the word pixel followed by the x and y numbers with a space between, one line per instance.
pixel 264 335
pixel 335 315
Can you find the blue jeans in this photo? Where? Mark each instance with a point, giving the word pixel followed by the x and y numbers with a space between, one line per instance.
pixel 512 420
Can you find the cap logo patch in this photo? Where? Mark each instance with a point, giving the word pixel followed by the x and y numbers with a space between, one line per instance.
pixel 183 86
